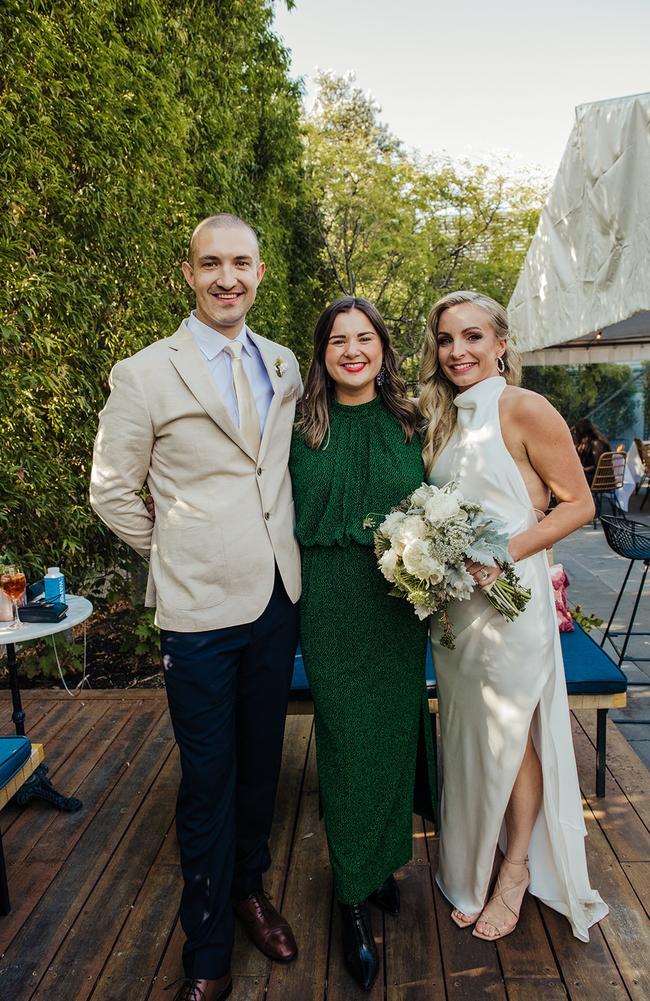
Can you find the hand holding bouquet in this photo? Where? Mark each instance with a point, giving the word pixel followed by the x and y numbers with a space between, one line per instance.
pixel 422 547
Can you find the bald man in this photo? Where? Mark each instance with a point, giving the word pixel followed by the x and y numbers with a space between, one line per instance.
pixel 203 418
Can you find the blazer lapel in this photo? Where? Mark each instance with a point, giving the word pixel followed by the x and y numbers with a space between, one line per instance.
pixel 186 358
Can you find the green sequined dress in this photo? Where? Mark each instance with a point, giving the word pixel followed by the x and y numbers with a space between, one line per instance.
pixel 364 651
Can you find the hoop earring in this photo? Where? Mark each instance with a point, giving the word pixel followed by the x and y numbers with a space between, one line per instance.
pixel 501 365
pixel 381 376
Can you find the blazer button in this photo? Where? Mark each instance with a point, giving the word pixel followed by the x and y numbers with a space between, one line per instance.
pixel 259 470
pixel 267 515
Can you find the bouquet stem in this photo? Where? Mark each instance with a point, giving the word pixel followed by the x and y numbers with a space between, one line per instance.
pixel 506 594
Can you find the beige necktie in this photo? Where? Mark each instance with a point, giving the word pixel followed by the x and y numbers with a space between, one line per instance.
pixel 249 419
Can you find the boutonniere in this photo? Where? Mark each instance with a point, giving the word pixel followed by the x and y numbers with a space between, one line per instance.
pixel 281 367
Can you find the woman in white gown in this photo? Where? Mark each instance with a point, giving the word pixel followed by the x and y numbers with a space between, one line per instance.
pixel 509 768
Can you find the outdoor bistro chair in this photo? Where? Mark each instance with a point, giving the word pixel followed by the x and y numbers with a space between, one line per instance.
pixel 608 478
pixel 630 539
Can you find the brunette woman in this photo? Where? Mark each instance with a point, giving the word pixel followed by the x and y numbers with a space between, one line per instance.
pixel 356 451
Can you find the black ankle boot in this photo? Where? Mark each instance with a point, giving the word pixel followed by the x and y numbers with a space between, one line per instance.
pixel 359 949
pixel 386 896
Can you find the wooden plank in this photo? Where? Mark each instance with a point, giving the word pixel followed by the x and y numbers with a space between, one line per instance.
pixel 624 764
pixel 27 959
pixel 132 965
pixel 626 928
pixel 171 965
pixel 21 776
pixel 536 990
pixel 413 962
pixel 589 971
pixel 419 851
pixel 79 960
pixel 638 874
pixel 119 755
pixel 580 702
pixel 50 731
pixel 247 960
pixel 90 694
pixel 625 830
pixel 30 822
pixel 31 877
pixel 471 966
pixel 34 713
pixel 306 902
pixel 527 963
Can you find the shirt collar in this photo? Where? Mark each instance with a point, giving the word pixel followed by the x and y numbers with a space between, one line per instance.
pixel 211 342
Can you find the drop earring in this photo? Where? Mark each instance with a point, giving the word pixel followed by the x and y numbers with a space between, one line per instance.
pixel 381 376
pixel 501 365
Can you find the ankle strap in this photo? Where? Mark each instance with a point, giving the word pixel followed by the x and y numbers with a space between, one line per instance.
pixel 514 861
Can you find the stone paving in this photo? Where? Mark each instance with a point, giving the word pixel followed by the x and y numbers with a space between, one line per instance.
pixel 596 574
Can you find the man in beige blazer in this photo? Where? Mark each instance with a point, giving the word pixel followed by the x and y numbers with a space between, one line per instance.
pixel 203 418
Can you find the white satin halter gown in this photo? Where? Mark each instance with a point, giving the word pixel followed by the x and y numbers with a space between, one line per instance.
pixel 502 679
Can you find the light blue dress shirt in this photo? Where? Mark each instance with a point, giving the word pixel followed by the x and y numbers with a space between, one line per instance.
pixel 211 344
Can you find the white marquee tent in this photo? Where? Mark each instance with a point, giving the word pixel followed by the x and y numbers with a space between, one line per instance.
pixel 583 294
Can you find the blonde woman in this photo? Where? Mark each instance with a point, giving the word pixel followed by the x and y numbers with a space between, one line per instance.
pixel 509 768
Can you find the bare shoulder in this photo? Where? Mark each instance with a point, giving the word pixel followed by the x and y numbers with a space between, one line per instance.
pixel 529 409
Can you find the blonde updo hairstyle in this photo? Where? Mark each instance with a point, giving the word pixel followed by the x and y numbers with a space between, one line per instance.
pixel 436 391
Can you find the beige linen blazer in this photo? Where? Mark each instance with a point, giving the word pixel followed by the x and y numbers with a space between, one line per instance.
pixel 224 517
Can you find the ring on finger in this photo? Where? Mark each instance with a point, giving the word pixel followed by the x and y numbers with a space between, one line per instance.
pixel 484 574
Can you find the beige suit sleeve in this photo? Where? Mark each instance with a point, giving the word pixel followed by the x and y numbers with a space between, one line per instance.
pixel 121 460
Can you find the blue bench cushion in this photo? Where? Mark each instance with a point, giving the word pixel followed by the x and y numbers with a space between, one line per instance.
pixel 299 683
pixel 588 669
pixel 14 752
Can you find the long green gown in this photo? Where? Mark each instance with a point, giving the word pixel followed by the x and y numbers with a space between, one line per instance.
pixel 364 651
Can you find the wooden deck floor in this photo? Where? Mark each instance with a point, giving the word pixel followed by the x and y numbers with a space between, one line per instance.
pixel 95 894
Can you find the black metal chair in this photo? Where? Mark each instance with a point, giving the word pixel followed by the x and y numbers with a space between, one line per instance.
pixel 608 478
pixel 630 539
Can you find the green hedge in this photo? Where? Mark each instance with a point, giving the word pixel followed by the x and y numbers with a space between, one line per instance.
pixel 124 123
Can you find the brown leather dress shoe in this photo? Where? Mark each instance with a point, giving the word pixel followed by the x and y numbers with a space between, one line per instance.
pixel 203 990
pixel 266 927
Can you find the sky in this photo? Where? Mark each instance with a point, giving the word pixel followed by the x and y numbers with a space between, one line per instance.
pixel 475 79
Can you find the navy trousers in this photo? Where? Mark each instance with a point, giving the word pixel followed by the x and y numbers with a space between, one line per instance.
pixel 227 691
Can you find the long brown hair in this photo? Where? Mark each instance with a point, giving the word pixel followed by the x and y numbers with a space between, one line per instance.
pixel 314 411
pixel 437 392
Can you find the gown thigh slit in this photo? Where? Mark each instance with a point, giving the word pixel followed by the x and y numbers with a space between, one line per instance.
pixel 502 681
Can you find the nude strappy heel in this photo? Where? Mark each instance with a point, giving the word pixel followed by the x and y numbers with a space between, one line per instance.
pixel 500 893
pixel 463 920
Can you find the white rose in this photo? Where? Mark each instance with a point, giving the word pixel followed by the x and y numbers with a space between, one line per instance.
pixel 441 507
pixel 388 564
pixel 418 561
pixel 391 522
pixel 420 496
pixel 411 528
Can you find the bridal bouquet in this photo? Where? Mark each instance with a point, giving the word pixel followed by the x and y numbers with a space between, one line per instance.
pixel 422 547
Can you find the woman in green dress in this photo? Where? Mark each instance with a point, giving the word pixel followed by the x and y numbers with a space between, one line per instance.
pixel 356 451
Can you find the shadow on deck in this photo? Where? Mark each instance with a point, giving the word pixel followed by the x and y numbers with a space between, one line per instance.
pixel 95 894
